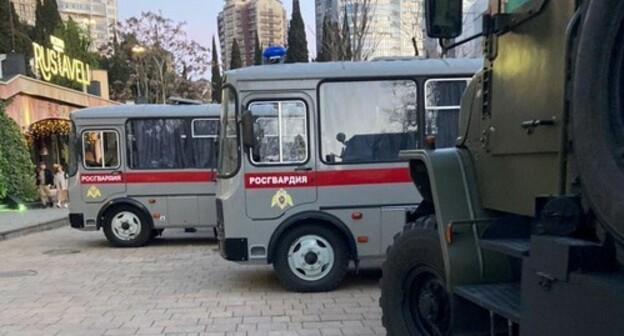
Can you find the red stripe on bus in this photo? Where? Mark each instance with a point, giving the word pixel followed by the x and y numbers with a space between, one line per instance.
pixel 363 176
pixel 147 177
pixel 327 178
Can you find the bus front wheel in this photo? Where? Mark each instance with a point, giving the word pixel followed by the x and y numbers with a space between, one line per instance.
pixel 125 226
pixel 311 258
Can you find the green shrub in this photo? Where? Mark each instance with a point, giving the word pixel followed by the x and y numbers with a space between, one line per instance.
pixel 16 168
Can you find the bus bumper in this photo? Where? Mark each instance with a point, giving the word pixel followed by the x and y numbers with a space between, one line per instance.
pixel 76 221
pixel 233 249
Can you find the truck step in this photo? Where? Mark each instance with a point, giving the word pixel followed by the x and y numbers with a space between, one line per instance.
pixel 513 247
pixel 502 298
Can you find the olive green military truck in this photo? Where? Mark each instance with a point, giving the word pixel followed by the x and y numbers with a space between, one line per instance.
pixel 521 227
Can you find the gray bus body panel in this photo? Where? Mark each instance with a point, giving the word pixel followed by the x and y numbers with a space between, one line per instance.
pixel 171 197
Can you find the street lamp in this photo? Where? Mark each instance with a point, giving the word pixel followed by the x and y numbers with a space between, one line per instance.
pixel 138 51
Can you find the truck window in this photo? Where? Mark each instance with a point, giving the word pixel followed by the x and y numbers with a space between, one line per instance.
pixel 100 149
pixel 367 121
pixel 281 132
pixel 442 101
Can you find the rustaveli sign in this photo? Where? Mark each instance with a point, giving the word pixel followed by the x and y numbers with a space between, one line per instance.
pixel 49 62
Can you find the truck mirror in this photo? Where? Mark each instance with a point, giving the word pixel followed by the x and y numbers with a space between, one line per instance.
pixel 249 139
pixel 444 18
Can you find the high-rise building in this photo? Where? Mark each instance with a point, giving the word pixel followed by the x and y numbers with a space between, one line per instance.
pixel 243 19
pixel 97 17
pixel 392 28
pixel 473 24
pixel 25 9
pixel 397 27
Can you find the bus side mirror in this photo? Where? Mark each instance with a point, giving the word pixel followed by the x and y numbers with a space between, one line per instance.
pixel 444 18
pixel 249 139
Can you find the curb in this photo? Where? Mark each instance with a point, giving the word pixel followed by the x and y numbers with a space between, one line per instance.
pixel 50 225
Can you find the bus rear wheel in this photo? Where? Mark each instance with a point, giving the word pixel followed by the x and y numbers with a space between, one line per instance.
pixel 414 299
pixel 311 258
pixel 125 226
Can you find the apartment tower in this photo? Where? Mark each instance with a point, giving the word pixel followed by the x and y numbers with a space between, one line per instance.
pixel 243 19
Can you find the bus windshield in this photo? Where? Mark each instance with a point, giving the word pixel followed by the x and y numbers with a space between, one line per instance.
pixel 229 158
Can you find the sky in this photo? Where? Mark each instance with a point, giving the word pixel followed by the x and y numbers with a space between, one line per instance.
pixel 201 16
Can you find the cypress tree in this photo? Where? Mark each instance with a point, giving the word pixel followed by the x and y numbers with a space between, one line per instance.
pixel 216 74
pixel 330 42
pixel 13 33
pixel 346 49
pixel 258 52
pixel 48 20
pixel 235 59
pixel 297 42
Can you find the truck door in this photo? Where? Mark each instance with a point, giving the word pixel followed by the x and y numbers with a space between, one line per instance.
pixel 101 168
pixel 280 171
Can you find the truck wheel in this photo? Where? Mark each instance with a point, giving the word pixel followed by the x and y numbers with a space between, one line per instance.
pixel 311 258
pixel 598 112
pixel 125 226
pixel 414 299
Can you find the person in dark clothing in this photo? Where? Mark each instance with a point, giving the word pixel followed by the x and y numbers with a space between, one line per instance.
pixel 44 181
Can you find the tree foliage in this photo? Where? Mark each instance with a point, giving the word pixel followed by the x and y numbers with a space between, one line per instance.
pixel 16 167
pixel 235 59
pixel 215 80
pixel 117 61
pixel 162 61
pixel 297 42
pixel 78 46
pixel 13 33
pixel 47 21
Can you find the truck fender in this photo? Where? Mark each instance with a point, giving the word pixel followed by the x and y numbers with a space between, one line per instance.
pixel 316 217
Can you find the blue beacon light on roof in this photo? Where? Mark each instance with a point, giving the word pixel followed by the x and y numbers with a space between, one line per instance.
pixel 274 55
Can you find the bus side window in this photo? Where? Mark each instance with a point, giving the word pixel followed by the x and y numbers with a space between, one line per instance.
pixel 101 149
pixel 205 149
pixel 442 101
pixel 368 121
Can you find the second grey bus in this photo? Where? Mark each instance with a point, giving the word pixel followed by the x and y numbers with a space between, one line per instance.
pixel 139 169
pixel 309 175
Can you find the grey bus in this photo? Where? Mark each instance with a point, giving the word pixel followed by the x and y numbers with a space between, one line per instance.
pixel 309 177
pixel 138 169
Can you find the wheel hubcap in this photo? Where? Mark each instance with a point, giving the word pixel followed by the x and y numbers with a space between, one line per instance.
pixel 428 303
pixel 310 257
pixel 126 225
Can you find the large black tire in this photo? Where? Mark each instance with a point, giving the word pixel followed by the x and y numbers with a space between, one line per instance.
pixel 598 111
pixel 414 299
pixel 139 228
pixel 308 246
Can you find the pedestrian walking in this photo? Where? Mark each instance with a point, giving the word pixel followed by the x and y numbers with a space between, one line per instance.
pixel 44 181
pixel 60 183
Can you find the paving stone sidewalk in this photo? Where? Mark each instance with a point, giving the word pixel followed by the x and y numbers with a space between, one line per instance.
pixel 68 282
pixel 19 223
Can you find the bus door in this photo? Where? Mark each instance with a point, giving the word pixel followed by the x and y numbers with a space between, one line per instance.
pixel 280 171
pixel 101 169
